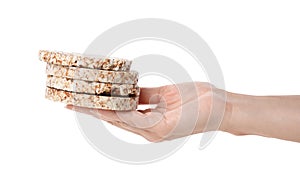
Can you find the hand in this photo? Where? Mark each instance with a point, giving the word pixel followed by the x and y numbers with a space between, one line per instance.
pixel 182 109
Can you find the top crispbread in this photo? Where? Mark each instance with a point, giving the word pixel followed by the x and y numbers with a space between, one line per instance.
pixel 78 60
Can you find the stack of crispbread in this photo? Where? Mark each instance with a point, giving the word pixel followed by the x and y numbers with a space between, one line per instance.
pixel 90 81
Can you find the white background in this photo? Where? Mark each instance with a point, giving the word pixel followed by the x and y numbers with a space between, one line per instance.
pixel 257 45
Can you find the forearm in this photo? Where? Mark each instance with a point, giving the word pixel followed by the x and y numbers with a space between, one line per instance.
pixel 270 116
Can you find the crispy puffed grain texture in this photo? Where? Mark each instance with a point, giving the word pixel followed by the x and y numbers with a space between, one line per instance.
pixel 92 101
pixel 79 60
pixel 88 87
pixel 103 76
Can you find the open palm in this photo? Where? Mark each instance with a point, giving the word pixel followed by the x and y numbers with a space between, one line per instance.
pixel 181 110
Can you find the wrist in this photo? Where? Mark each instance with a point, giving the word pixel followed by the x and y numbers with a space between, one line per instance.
pixel 226 122
pixel 237 120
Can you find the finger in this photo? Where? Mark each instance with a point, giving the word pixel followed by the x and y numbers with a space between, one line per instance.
pixel 88 111
pixel 78 109
pixel 150 95
pixel 134 118
pixel 107 115
pixel 131 118
pixel 126 127
pixel 144 111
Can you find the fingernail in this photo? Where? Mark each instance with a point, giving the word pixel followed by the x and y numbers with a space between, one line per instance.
pixel 70 107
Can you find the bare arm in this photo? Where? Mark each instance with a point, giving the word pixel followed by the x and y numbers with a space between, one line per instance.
pixel 269 116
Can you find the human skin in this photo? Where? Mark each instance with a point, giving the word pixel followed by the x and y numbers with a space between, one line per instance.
pixel 187 108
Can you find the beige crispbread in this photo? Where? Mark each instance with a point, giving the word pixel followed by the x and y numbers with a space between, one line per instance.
pixel 78 60
pixel 88 87
pixel 103 76
pixel 92 101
